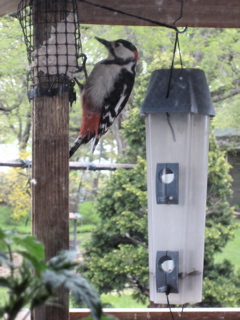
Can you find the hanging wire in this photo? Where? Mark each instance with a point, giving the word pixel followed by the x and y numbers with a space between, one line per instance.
pixel 181 14
pixel 176 45
pixel 181 317
pixel 179 52
pixel 177 38
pixel 170 126
pixel 172 66
pixel 170 309
pixel 169 306
pixel 161 24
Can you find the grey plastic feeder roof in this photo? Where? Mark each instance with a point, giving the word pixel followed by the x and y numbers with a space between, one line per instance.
pixel 189 92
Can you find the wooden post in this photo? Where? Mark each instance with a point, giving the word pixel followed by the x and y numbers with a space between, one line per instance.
pixel 50 159
pixel 50 192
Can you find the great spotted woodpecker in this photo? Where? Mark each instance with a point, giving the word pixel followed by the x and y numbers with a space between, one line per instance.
pixel 106 91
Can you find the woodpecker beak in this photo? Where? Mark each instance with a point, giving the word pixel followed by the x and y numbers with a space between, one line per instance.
pixel 106 43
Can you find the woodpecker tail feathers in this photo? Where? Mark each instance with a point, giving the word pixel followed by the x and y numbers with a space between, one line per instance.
pixel 82 140
pixel 94 143
pixel 75 146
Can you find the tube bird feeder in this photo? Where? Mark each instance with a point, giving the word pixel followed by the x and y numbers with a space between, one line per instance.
pixel 177 115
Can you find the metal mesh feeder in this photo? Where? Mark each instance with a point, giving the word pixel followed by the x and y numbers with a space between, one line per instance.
pixel 52 37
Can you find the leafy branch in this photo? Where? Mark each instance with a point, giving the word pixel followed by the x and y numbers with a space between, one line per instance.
pixel 35 282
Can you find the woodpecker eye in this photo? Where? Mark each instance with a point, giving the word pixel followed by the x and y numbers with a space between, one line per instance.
pixel 117 44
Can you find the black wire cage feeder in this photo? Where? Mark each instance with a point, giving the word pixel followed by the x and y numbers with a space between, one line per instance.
pixel 53 40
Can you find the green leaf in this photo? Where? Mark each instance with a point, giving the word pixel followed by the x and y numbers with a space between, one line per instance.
pixel 29 243
pixel 38 264
pixel 64 260
pixel 2 235
pixel 4 282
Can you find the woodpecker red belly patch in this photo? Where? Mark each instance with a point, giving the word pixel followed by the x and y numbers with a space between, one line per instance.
pixel 90 124
pixel 135 55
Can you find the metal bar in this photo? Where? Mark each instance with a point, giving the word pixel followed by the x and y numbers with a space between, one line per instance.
pixel 74 165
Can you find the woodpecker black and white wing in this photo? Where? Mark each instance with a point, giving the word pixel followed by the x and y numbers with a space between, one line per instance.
pixel 116 100
pixel 114 103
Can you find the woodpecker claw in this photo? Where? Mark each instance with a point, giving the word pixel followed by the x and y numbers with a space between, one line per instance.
pixel 80 85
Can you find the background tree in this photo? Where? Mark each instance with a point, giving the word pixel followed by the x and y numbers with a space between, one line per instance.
pixel 15 112
pixel 15 189
pixel 118 245
pixel 13 193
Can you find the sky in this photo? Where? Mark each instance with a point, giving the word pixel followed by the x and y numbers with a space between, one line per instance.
pixel 8 152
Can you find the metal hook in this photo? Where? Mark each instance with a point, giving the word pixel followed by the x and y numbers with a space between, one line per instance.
pixel 83 66
pixel 179 18
pixel 182 31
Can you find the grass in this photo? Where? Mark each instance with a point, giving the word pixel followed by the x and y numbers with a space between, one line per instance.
pixel 231 251
pixel 22 225
pixel 114 300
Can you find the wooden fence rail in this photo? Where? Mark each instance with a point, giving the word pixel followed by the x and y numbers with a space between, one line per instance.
pixel 164 314
pixel 160 314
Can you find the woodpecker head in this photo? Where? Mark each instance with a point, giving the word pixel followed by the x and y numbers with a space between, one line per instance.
pixel 120 49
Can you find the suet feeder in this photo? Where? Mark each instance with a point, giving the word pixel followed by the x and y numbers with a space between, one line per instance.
pixel 178 109
pixel 52 36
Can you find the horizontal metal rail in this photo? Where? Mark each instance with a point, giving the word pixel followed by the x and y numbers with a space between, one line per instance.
pixel 73 165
